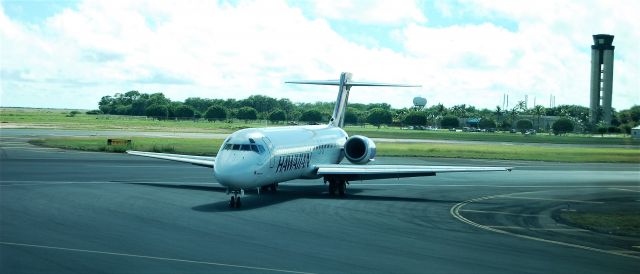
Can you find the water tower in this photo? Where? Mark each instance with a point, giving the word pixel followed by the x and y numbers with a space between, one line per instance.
pixel 419 102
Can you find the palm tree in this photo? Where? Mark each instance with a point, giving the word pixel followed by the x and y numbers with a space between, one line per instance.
pixel 538 111
pixel 498 113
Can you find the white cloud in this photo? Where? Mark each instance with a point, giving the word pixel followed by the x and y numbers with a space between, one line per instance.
pixel 210 49
pixel 370 11
pixel 548 52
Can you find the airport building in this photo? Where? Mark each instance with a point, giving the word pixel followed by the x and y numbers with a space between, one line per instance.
pixel 635 132
pixel 601 78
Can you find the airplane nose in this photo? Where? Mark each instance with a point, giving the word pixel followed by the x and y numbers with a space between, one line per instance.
pixel 239 174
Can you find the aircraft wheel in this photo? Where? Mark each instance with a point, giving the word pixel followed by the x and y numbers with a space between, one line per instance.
pixel 332 187
pixel 274 187
pixel 238 203
pixel 232 203
pixel 341 188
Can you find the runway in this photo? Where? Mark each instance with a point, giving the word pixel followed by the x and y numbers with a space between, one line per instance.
pixel 82 212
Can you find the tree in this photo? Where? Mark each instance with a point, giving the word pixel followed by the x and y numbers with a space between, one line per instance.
pixel 538 111
pixel 450 122
pixel 312 116
pixel 106 104
pixel 460 111
pixel 487 123
pixel 416 118
pixel 351 116
pixel 498 113
pixel 184 111
pixel 215 113
pixel 199 104
pixel 159 99
pixel 158 111
pixel 505 125
pixel 277 115
pixel 122 110
pixel 379 116
pixel 247 113
pixel 562 126
pixel 523 125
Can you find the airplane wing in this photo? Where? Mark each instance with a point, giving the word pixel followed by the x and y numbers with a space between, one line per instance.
pixel 195 160
pixel 370 172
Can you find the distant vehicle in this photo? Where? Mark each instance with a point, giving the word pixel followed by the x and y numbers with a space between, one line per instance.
pixel 292 123
pixel 530 132
pixel 452 129
pixel 260 158
pixel 513 130
pixel 491 130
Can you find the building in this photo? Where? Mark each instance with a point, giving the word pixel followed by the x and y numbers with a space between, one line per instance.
pixel 635 132
pixel 601 78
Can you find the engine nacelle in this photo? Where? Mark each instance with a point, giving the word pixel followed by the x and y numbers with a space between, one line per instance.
pixel 359 149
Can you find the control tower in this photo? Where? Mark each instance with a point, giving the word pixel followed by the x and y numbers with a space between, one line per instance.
pixel 601 78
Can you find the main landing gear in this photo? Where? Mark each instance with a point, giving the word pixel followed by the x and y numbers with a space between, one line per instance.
pixel 235 199
pixel 336 185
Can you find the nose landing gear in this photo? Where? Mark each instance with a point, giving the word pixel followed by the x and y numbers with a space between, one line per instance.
pixel 235 199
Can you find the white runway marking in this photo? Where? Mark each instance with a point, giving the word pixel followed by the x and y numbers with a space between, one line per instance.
pixel 455 212
pixel 550 199
pixel 538 229
pixel 41 183
pixel 622 189
pixel 151 257
pixel 499 212
pixel 355 183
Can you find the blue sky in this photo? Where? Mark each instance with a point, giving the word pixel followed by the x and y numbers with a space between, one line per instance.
pixel 70 53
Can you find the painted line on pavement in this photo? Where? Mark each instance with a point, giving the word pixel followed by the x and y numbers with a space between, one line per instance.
pixel 622 189
pixel 499 212
pixel 150 257
pixel 455 212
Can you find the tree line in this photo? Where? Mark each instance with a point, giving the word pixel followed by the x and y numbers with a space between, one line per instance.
pixel 280 110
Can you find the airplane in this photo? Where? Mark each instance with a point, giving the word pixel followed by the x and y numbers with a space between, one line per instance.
pixel 261 158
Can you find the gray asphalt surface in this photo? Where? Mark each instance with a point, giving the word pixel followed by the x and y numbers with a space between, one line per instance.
pixel 81 212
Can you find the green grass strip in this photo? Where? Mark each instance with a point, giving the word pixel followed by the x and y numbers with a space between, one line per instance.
pixel 210 147
pixel 619 223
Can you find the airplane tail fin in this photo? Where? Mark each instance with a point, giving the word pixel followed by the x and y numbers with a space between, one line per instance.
pixel 345 84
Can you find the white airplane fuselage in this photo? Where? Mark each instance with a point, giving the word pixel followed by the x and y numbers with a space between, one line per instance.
pixel 256 157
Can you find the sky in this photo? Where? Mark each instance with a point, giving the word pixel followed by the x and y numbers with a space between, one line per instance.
pixel 68 54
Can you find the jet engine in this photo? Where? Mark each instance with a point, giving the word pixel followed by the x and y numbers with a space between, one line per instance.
pixel 359 149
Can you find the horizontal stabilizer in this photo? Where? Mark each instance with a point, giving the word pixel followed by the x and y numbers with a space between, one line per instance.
pixel 344 84
pixel 353 84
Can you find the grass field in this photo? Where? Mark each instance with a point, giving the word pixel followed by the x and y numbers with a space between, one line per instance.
pixel 619 223
pixel 209 147
pixel 56 118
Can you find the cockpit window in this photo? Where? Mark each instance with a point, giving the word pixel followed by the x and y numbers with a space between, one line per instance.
pixel 245 147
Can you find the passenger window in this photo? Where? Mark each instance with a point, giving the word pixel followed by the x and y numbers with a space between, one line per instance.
pixel 236 147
